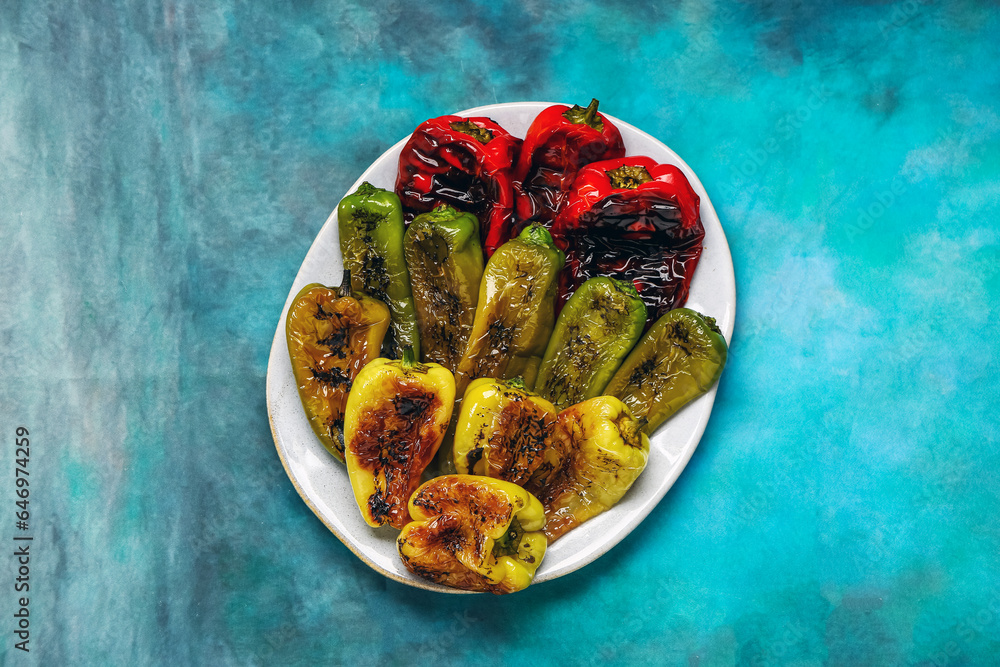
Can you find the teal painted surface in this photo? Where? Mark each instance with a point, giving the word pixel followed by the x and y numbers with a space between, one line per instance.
pixel 164 168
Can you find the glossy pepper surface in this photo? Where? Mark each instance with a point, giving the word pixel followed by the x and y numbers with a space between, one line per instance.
pixel 397 414
pixel 474 533
pixel 597 453
pixel 445 261
pixel 678 359
pixel 463 162
pixel 370 222
pixel 516 310
pixel 636 220
pixel 331 336
pixel 560 140
pixel 503 430
pixel 600 323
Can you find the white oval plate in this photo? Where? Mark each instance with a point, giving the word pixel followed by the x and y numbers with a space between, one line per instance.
pixel 322 481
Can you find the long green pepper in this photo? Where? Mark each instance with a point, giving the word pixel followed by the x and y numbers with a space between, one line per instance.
pixel 371 227
pixel 445 260
pixel 516 310
pixel 597 327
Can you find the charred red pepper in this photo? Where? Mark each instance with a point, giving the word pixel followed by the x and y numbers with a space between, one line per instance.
pixel 636 220
pixel 465 163
pixel 559 142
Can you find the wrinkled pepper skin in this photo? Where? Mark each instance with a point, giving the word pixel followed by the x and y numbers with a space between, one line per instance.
pixel 465 163
pixel 678 360
pixel 370 222
pixel 598 451
pixel 635 220
pixel 397 415
pixel 516 310
pixel 474 533
pixel 600 323
pixel 331 336
pixel 502 431
pixel 445 261
pixel 560 140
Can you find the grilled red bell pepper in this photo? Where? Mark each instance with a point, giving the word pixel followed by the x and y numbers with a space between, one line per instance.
pixel 559 142
pixel 465 163
pixel 636 220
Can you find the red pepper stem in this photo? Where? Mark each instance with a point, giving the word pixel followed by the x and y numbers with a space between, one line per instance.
pixel 585 116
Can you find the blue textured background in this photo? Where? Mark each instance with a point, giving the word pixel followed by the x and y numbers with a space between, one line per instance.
pixel 164 168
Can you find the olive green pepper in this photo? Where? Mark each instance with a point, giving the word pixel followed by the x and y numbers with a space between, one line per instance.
pixel 679 359
pixel 516 310
pixel 331 337
pixel 371 242
pixel 445 260
pixel 596 329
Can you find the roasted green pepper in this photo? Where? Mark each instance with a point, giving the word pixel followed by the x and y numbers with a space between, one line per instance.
pixel 474 533
pixel 678 360
pixel 396 417
pixel 331 336
pixel 445 260
pixel 596 329
pixel 370 221
pixel 516 310
pixel 502 430
pixel 597 451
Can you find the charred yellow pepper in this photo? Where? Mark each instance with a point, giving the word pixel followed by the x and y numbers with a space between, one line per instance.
pixel 502 430
pixel 516 310
pixel 597 452
pixel 331 336
pixel 474 533
pixel 396 417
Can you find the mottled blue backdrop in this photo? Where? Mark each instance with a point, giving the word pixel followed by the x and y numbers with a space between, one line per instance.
pixel 165 167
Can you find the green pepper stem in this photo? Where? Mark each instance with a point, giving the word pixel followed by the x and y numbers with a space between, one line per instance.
pixel 517 383
pixel 536 234
pixel 585 116
pixel 366 189
pixel 409 359
pixel 628 177
pixel 466 126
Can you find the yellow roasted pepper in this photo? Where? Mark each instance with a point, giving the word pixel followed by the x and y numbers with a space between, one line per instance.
pixel 503 430
pixel 396 416
pixel 597 451
pixel 474 533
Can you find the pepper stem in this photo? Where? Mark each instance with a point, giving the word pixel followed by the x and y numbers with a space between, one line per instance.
pixel 480 134
pixel 585 116
pixel 517 383
pixel 409 359
pixel 628 177
pixel 366 189
pixel 536 234
pixel 345 285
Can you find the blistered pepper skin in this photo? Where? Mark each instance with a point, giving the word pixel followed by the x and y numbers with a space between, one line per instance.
pixel 396 417
pixel 558 143
pixel 678 360
pixel 474 533
pixel 503 430
pixel 636 220
pixel 445 260
pixel 331 337
pixel 598 451
pixel 465 163
pixel 516 310
pixel 600 323
pixel 370 222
